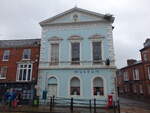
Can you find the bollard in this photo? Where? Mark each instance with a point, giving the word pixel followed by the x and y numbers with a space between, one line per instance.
pixel 94 105
pixel 53 101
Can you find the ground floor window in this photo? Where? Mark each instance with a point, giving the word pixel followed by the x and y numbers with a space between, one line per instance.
pixel 75 86
pixel 141 89
pixel 134 88
pixel 52 87
pixel 98 88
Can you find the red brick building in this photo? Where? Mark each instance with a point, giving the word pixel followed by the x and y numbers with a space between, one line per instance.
pixel 134 79
pixel 19 61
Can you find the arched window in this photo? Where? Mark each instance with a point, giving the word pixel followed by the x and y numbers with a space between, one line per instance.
pixel 75 86
pixel 52 81
pixel 52 86
pixel 98 86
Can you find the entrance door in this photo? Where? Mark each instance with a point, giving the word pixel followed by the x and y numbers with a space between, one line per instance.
pixel 52 90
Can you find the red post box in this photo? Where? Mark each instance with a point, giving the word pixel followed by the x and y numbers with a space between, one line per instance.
pixel 110 101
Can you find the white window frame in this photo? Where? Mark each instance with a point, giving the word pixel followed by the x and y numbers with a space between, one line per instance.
pixel 125 76
pixel 4 54
pixel 54 42
pixel 79 87
pixel 141 88
pixel 69 86
pixel 24 54
pixel 18 72
pixel 145 57
pixel 104 86
pixel 1 72
pixel 102 51
pixel 136 74
pixel 79 52
pixel 148 69
pixel 70 50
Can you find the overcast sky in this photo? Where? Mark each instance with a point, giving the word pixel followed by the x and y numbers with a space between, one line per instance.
pixel 20 18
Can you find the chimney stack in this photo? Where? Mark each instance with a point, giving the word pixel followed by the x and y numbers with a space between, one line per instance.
pixel 131 62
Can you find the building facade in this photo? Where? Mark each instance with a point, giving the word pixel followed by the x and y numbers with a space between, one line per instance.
pixel 134 80
pixel 77 56
pixel 19 67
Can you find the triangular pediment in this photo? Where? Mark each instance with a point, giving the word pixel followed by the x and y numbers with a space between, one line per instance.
pixel 75 15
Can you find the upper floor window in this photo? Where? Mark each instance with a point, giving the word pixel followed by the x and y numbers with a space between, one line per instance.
pixel 125 76
pixel 24 72
pixel 6 55
pixel 75 53
pixel 135 74
pixel 54 53
pixel 145 57
pixel 3 72
pixel 26 54
pixel 148 68
pixel 97 54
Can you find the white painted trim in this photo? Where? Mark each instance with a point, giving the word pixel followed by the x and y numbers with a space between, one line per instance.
pixel 58 83
pixel 2 78
pixel 4 55
pixel 49 56
pixel 81 86
pixel 70 57
pixel 18 72
pixel 104 83
pixel 102 49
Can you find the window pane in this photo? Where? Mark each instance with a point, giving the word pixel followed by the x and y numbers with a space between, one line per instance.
pixel 26 53
pixel 98 88
pixel 75 53
pixel 3 71
pixel 29 74
pixel 97 52
pixel 20 74
pixel 54 53
pixel 75 86
pixel 29 66
pixel 6 54
pixel 24 74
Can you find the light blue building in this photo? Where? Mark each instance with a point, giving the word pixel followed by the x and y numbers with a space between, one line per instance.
pixel 77 55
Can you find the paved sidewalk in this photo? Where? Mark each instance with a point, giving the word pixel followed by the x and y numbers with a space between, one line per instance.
pixel 46 109
pixel 133 106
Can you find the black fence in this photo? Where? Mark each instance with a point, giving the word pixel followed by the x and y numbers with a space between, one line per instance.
pixel 71 104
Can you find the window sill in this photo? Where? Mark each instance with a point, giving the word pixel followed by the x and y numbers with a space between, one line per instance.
pixel 74 95
pixel 98 96
pixel 23 80
pixel 2 78
pixel 4 60
pixel 26 59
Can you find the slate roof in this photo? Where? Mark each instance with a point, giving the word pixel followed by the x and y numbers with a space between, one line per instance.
pixel 19 43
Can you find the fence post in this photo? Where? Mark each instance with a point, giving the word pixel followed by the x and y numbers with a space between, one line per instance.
pixel 71 105
pixel 50 104
pixel 90 105
pixel 94 105
pixel 53 100
pixel 114 107
pixel 118 106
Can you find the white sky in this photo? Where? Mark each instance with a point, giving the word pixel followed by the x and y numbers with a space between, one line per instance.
pixel 20 18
